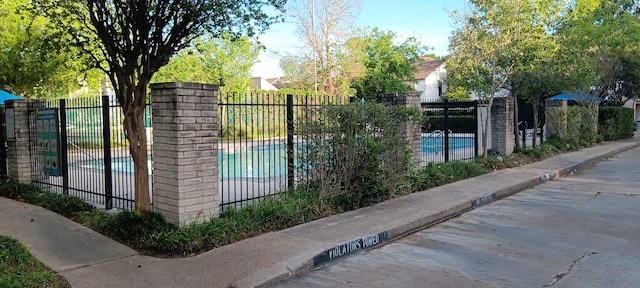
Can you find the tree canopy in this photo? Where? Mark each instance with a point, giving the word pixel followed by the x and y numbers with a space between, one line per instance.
pixel 537 48
pixel 496 44
pixel 389 67
pixel 223 61
pixel 131 40
pixel 600 39
pixel 32 62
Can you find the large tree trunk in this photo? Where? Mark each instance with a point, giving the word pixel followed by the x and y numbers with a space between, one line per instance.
pixel 137 136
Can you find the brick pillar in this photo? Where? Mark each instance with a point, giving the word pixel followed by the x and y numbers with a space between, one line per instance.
pixel 502 137
pixel 412 131
pixel 555 118
pixel 18 140
pixel 18 154
pixel 185 151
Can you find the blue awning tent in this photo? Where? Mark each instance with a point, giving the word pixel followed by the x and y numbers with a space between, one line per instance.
pixel 576 97
pixel 4 95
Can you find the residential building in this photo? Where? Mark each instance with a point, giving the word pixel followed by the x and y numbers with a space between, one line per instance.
pixel 430 80
pixel 260 83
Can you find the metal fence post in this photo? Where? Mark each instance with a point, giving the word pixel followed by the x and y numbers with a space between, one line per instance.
pixel 64 160
pixel 476 131
pixel 290 162
pixel 106 138
pixel 446 130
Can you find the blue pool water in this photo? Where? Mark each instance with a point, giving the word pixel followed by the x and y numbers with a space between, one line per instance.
pixel 267 161
pixel 436 144
pixel 257 162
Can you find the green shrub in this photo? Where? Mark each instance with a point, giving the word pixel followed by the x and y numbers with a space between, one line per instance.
pixel 556 123
pixel 582 128
pixel 66 205
pixel 437 174
pixel 540 152
pixel 574 129
pixel 15 190
pixel 561 145
pixel 356 154
pixel 616 123
pixel 150 233
pixel 126 226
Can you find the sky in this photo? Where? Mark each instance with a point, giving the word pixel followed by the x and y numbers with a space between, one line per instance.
pixel 427 20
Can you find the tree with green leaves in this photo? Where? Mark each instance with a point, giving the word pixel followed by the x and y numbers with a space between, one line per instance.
pixel 630 77
pixel 298 70
pixel 535 62
pixel 597 36
pixel 388 67
pixel 457 93
pixel 224 61
pixel 32 63
pixel 130 40
pixel 482 48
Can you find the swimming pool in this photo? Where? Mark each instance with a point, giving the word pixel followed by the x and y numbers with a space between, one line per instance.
pixel 436 144
pixel 266 161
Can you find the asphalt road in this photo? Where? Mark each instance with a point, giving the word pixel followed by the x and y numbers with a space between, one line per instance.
pixel 579 231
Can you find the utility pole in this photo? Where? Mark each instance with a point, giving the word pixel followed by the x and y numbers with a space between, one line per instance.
pixel 313 29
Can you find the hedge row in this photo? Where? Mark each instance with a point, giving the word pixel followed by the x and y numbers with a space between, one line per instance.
pixel 616 123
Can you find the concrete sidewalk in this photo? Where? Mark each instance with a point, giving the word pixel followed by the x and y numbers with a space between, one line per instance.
pixel 88 259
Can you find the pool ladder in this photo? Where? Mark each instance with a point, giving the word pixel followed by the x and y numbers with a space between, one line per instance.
pixel 435 135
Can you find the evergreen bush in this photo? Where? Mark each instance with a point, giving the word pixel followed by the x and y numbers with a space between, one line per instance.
pixel 616 123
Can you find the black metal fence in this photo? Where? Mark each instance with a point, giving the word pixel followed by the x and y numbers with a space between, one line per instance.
pixel 256 151
pixel 257 143
pixel 94 159
pixel 449 131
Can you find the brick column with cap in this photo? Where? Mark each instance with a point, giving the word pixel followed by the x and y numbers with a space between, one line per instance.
pixel 502 137
pixel 185 151
pixel 19 144
pixel 412 130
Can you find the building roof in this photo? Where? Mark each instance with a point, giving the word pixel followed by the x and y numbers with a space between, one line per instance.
pixel 277 82
pixel 427 66
pixel 261 83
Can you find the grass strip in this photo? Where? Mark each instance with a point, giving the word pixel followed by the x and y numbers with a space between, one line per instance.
pixel 18 268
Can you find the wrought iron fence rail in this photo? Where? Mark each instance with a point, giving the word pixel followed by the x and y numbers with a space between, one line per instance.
pixel 460 141
pixel 263 148
pixel 256 147
pixel 91 137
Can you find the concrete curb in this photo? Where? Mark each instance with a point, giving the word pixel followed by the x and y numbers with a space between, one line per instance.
pixel 302 263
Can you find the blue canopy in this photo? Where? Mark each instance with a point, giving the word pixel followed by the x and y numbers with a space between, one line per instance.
pixel 4 95
pixel 576 97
